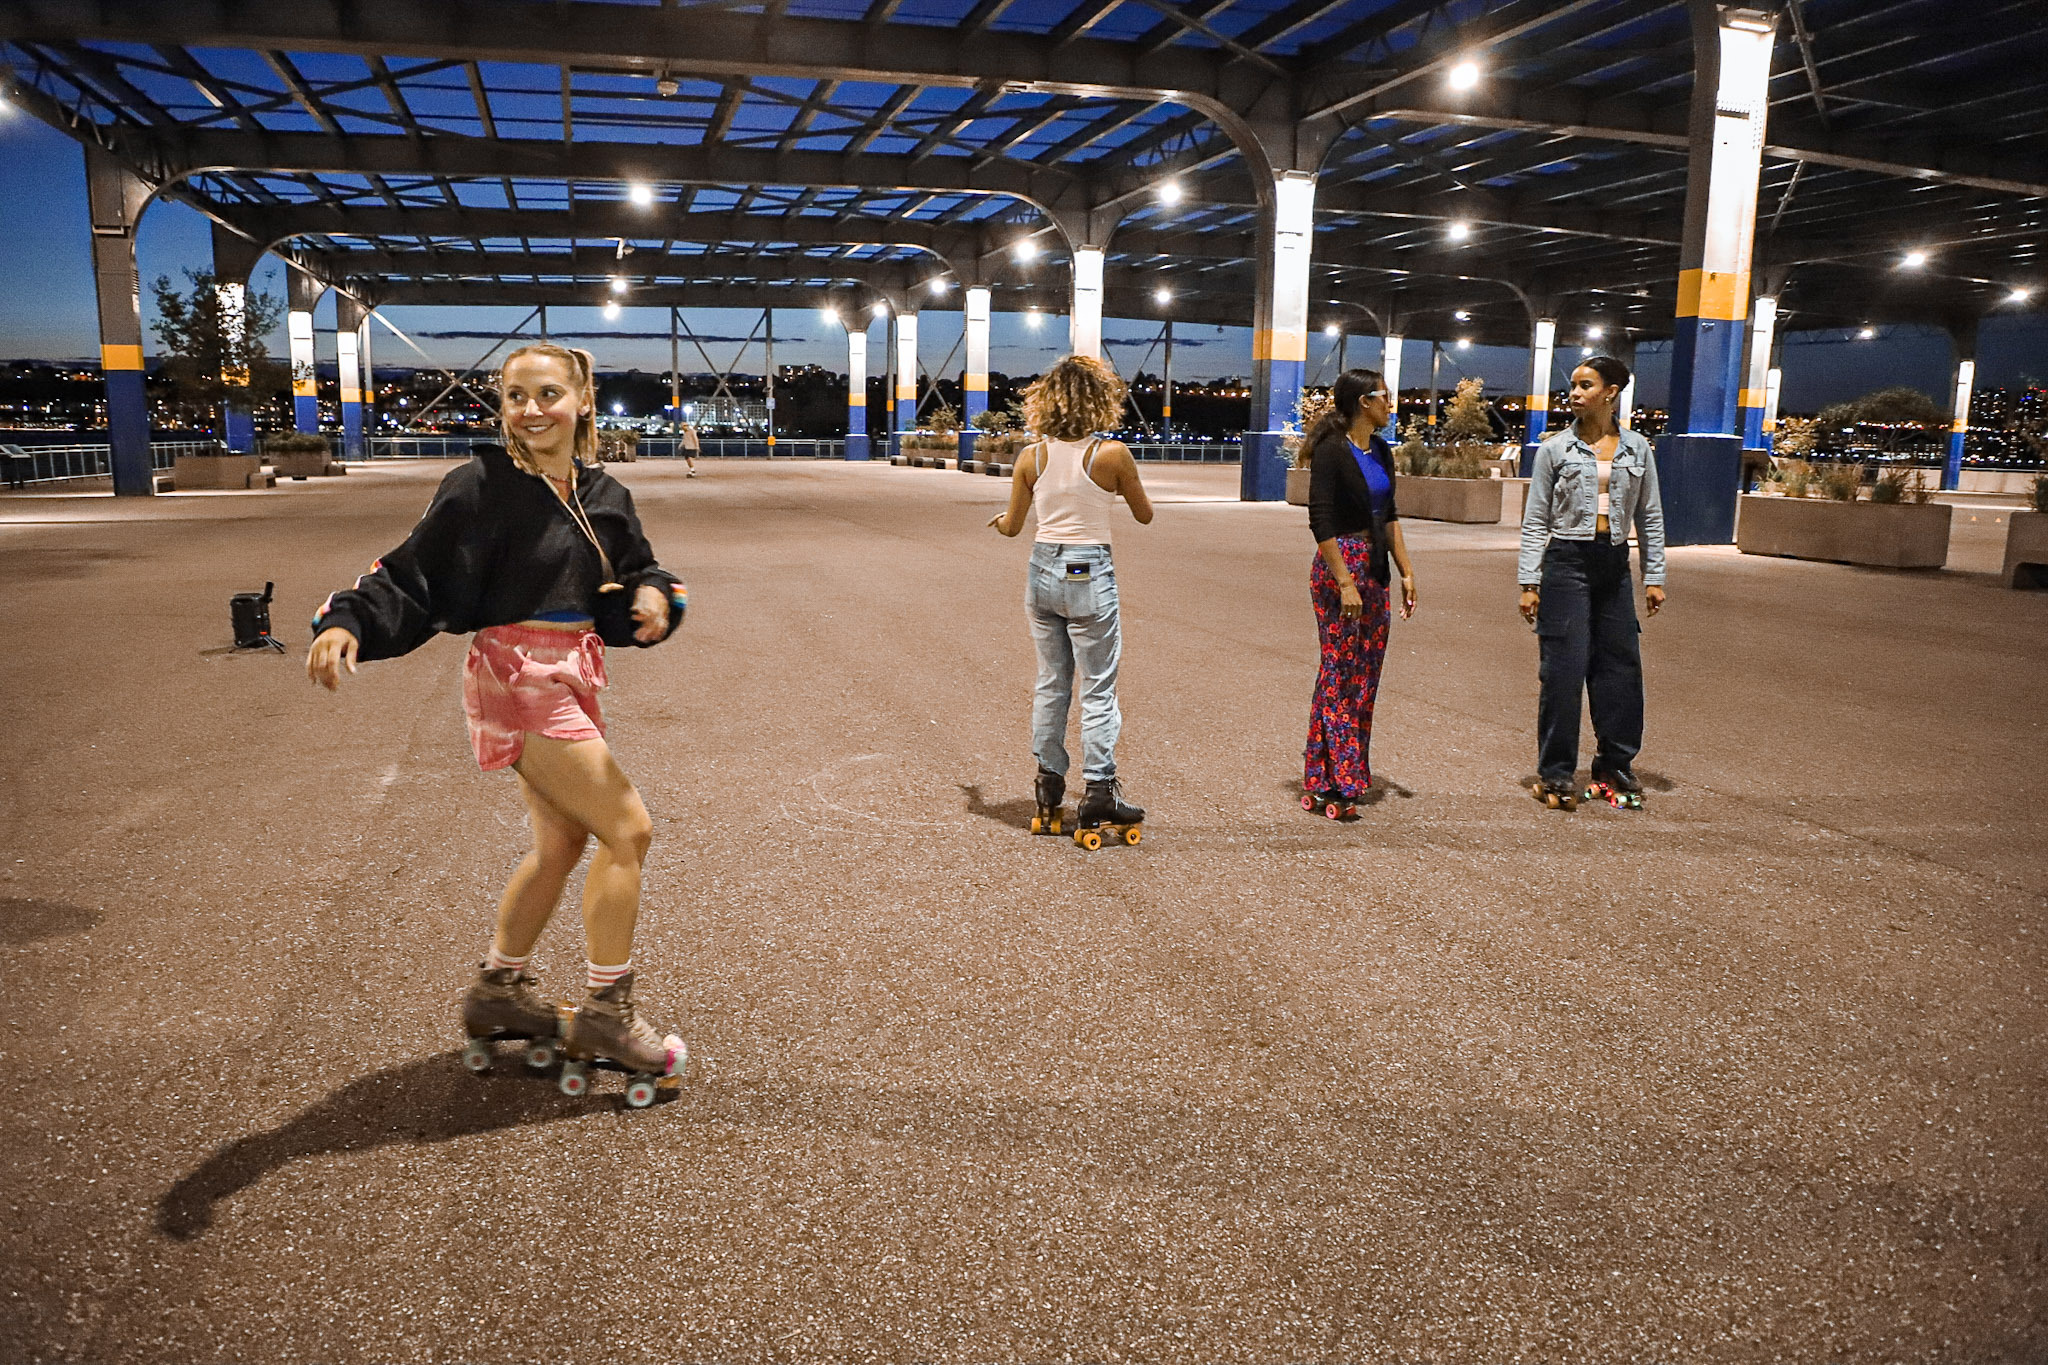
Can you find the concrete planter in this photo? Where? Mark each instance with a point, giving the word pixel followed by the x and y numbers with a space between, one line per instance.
pixel 2026 550
pixel 1475 501
pixel 303 464
pixel 1297 487
pixel 1881 535
pixel 220 471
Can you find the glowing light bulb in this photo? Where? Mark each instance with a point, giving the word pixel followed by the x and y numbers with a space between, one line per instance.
pixel 1170 192
pixel 641 195
pixel 939 286
pixel 1464 343
pixel 1026 250
pixel 1914 260
pixel 828 314
pixel 1866 334
pixel 618 284
pixel 2019 296
pixel 1332 330
pixel 1464 75
pixel 1162 296
pixel 1596 332
pixel 1459 232
pixel 880 310
pixel 1034 317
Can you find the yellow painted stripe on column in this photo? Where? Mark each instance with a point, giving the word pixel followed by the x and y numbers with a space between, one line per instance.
pixel 1718 294
pixel 1750 398
pixel 977 383
pixel 120 357
pixel 906 392
pixel 1959 425
pixel 1290 345
pixel 856 400
pixel 1540 401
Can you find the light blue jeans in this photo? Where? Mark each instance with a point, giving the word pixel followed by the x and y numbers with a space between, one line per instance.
pixel 1071 599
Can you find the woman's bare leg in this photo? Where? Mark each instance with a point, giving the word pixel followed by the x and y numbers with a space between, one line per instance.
pixel 536 885
pixel 581 781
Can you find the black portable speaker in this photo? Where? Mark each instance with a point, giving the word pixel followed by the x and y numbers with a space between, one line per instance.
pixel 251 614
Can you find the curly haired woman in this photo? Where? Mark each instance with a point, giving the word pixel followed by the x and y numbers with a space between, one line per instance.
pixel 1074 477
pixel 539 551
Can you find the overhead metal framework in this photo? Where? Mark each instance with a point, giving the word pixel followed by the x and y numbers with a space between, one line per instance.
pixel 490 150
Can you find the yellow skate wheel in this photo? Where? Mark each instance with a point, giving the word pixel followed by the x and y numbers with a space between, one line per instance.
pixel 1132 834
pixel 1088 839
pixel 1055 824
pixel 1037 826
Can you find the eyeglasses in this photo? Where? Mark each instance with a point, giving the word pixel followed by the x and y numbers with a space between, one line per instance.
pixel 1377 396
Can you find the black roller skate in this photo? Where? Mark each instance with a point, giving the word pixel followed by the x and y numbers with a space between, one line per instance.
pixel 608 1033
pixel 503 1006
pixel 1620 790
pixel 1332 805
pixel 1556 795
pixel 1051 789
pixel 1102 809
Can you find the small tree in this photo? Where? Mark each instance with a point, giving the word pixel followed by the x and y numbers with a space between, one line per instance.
pixel 1413 456
pixel 1471 433
pixel 206 347
pixel 1898 413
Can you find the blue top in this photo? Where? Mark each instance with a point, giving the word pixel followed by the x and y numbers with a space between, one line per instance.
pixel 1376 481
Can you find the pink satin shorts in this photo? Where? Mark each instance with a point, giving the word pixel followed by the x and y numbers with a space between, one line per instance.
pixel 521 680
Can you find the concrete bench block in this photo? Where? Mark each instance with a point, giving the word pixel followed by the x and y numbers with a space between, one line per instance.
pixel 2026 550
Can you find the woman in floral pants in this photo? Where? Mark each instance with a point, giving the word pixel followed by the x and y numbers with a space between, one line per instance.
pixel 1352 515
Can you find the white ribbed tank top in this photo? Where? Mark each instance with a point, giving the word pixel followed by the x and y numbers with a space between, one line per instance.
pixel 1073 509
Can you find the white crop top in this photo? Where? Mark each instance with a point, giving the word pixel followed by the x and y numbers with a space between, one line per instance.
pixel 1073 509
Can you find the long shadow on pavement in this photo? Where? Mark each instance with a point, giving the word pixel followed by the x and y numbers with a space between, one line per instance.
pixel 432 1099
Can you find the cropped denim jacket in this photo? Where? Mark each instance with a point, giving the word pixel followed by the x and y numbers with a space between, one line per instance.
pixel 1564 501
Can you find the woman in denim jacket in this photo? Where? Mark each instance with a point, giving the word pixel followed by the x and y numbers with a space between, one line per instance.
pixel 1593 483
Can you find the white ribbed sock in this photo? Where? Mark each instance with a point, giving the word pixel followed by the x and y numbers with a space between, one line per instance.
pixel 498 962
pixel 602 976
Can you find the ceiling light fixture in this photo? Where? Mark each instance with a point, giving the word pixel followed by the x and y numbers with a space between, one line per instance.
pixel 1462 316
pixel 1464 343
pixel 1034 317
pixel 1460 231
pixel 1596 332
pixel 939 286
pixel 618 284
pixel 1332 330
pixel 880 310
pixel 1914 260
pixel 1025 250
pixel 642 195
pixel 829 314
pixel 1464 75
pixel 2019 296
pixel 1866 334
pixel 1170 192
pixel 1162 295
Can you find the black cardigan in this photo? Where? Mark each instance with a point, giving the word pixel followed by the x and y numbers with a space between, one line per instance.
pixel 497 546
pixel 1340 503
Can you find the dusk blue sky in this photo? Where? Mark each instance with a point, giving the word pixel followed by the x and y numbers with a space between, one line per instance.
pixel 46 311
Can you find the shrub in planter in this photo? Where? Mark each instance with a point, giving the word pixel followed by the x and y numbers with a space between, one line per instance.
pixel 1841 481
pixel 300 455
pixel 2041 495
pixel 1902 485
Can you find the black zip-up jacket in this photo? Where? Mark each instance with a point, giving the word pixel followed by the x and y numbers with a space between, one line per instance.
pixel 1340 504
pixel 497 546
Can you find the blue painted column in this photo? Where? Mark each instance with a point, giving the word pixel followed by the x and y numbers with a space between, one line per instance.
pixel 1536 414
pixel 857 391
pixel 1699 460
pixel 974 383
pixel 1279 336
pixel 116 197
pixel 1390 371
pixel 348 319
pixel 906 379
pixel 234 259
pixel 303 293
pixel 1959 426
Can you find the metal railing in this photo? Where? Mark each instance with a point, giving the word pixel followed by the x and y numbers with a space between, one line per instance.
pixel 53 464
pixel 648 447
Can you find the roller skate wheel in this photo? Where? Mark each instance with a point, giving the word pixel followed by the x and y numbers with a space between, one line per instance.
pixel 1088 839
pixel 1055 824
pixel 640 1092
pixel 1308 801
pixel 477 1055
pixel 540 1054
pixel 1133 835
pixel 574 1080
pixel 1037 825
